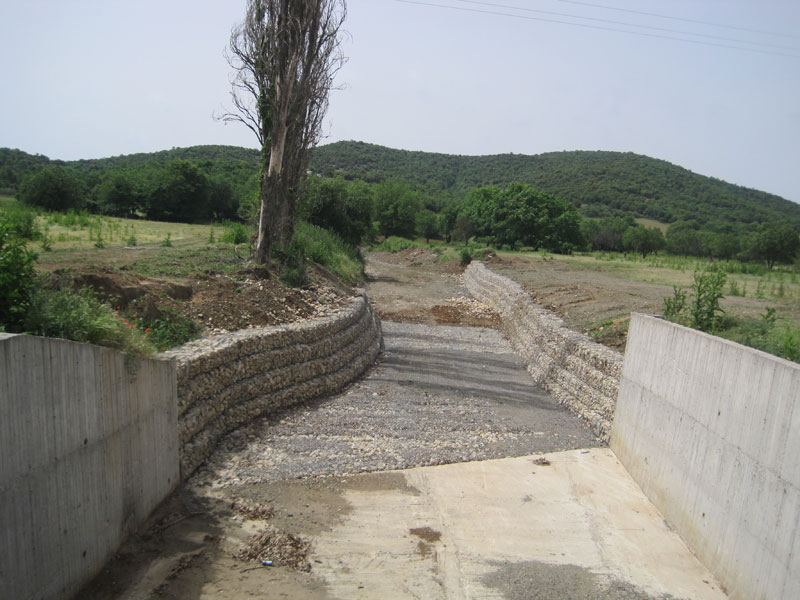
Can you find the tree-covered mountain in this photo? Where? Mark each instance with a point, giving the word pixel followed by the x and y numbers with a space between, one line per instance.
pixel 599 183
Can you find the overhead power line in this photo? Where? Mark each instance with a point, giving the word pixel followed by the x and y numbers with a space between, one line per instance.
pixel 598 27
pixel 685 20
pixel 628 24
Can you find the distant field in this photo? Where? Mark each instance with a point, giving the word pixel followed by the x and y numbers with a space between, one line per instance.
pixel 75 240
pixel 653 223
pixel 781 285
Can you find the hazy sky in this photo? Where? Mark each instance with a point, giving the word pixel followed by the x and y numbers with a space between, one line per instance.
pixel 95 78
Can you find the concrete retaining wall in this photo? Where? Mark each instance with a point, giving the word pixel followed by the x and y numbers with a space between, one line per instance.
pixel 91 440
pixel 711 431
pixel 580 373
pixel 226 381
pixel 88 447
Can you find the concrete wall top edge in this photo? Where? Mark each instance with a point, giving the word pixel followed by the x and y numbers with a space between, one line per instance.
pixel 717 339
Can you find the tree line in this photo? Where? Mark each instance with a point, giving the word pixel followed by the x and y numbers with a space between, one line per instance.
pixel 223 183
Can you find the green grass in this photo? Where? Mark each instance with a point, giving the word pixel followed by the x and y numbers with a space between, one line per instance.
pixel 7 201
pixel 81 317
pixel 330 251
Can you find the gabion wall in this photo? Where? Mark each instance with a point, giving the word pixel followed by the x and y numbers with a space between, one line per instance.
pixel 226 380
pixel 581 374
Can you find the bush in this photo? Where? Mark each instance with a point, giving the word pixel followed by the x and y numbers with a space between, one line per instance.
pixel 707 289
pixel 81 317
pixel 165 331
pixel 395 244
pixel 21 221
pixel 16 279
pixel 466 256
pixel 235 233
pixel 53 188
pixel 325 248
pixel 704 311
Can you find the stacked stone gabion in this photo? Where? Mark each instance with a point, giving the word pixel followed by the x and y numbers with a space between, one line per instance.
pixel 226 380
pixel 581 374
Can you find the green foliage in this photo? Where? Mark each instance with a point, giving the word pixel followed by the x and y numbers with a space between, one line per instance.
pixel 165 331
pixel 395 244
pixel 234 233
pixel 775 242
pixel 167 241
pixel 117 195
pixel 397 208
pixel 81 317
pixel 705 308
pixel 16 278
pixel 52 188
pixel 465 256
pixel 675 307
pixel 345 207
pixel 20 220
pixel 704 311
pixel 323 247
pixel 600 183
pixel 428 225
pixel 643 240
pixel 765 333
pixel 523 216
pixel 180 193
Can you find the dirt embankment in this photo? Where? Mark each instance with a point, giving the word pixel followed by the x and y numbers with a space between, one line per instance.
pixel 220 302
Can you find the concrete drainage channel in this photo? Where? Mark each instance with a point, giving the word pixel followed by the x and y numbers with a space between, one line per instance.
pixel 314 489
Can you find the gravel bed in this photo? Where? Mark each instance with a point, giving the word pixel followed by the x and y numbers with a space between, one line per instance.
pixel 437 395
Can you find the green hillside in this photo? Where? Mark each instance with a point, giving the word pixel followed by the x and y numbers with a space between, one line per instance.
pixel 600 183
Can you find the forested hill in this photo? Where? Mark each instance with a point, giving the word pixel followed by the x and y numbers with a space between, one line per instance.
pixel 602 183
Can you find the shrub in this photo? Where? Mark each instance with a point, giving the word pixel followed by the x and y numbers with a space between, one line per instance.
pixel 466 256
pixel 395 244
pixel 705 308
pixel 325 248
pixel 675 307
pixel 16 278
pixel 167 330
pixel 234 233
pixel 81 317
pixel 21 221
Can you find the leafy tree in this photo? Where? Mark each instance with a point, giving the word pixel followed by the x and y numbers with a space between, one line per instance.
pixel 684 238
pixel 346 208
pixel 117 195
pixel 723 245
pixel 521 215
pixel 180 193
pixel 776 242
pixel 222 203
pixel 428 225
pixel 397 209
pixel 285 56
pixel 463 229
pixel 53 188
pixel 644 240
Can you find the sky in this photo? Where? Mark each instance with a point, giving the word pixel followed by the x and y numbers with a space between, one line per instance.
pixel 97 78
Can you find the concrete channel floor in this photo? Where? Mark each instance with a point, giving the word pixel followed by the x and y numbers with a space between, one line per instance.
pixel 576 528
